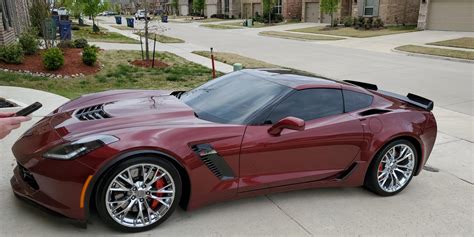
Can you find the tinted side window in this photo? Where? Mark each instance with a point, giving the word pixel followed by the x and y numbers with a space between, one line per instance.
pixel 356 100
pixel 309 104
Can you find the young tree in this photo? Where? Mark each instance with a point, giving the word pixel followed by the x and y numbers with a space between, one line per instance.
pixel 330 7
pixel 198 6
pixel 268 6
pixel 39 11
pixel 175 6
pixel 92 8
pixel 75 7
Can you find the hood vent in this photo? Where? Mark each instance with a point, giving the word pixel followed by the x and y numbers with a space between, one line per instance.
pixel 95 112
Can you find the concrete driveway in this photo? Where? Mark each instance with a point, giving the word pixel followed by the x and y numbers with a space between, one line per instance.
pixel 435 203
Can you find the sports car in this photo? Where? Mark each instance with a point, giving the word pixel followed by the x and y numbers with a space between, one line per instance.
pixel 135 155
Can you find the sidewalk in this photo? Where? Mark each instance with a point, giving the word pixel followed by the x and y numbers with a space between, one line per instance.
pixel 183 50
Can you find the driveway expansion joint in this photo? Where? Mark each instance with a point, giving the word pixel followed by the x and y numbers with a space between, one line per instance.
pixel 289 216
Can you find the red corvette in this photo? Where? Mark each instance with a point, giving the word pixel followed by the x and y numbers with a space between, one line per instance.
pixel 138 154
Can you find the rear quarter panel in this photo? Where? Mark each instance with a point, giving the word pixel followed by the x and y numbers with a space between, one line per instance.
pixel 412 124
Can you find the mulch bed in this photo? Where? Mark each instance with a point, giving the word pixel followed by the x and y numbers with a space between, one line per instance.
pixel 73 64
pixel 148 64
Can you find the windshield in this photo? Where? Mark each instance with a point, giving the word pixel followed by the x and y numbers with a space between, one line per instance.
pixel 233 98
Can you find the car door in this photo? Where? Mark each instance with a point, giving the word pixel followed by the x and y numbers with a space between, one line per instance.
pixel 327 146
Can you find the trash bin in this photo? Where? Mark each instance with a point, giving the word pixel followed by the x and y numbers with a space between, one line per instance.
pixel 237 67
pixel 164 19
pixel 118 20
pixel 56 20
pixel 130 22
pixel 65 30
pixel 249 22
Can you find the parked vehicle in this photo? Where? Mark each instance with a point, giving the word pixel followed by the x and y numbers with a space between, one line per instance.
pixel 141 14
pixel 138 154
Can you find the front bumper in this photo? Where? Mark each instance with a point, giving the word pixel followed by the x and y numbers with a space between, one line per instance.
pixel 52 184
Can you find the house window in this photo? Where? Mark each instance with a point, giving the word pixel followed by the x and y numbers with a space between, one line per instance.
pixel 369 7
pixel 278 7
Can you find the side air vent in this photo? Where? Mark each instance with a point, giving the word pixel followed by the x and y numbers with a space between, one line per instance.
pixel 214 162
pixel 92 113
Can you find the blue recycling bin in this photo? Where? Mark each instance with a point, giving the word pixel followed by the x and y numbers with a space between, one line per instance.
pixel 130 22
pixel 118 20
pixel 164 19
pixel 65 30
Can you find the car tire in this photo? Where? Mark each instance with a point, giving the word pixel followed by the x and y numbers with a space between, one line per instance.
pixel 107 193
pixel 392 168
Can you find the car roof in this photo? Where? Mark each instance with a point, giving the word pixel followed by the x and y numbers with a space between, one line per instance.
pixel 294 79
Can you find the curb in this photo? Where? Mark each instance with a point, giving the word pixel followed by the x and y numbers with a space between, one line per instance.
pixel 433 56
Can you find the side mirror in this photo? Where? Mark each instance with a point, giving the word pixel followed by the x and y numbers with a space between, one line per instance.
pixel 287 123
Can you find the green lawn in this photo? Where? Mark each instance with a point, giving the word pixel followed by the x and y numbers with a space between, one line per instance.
pixel 164 39
pixel 437 51
pixel 102 36
pixel 207 20
pixel 122 27
pixel 231 58
pixel 118 74
pixel 351 32
pixel 221 26
pixel 297 36
pixel 257 24
pixel 465 42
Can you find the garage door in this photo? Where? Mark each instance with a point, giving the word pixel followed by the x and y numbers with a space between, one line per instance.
pixel 247 11
pixel 257 7
pixel 311 12
pixel 454 15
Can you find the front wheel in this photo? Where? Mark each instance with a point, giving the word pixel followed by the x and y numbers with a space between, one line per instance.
pixel 392 169
pixel 139 194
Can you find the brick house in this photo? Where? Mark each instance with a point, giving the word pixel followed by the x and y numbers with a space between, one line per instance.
pixel 390 11
pixel 289 9
pixel 14 19
pixel 231 8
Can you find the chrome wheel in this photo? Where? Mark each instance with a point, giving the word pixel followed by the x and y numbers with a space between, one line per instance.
pixel 396 168
pixel 140 195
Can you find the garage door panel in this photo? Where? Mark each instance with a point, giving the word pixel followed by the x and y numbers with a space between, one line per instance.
pixel 312 12
pixel 454 15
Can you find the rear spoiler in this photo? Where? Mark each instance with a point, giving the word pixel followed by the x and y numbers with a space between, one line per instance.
pixel 412 99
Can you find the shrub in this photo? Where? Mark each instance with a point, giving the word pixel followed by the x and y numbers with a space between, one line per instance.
pixel 360 22
pixel 65 44
pixel 12 54
pixel 378 23
pixel 347 21
pixel 368 23
pixel 80 43
pixel 89 55
pixel 29 42
pixel 53 58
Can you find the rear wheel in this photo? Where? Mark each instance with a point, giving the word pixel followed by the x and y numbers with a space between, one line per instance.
pixel 139 194
pixel 392 169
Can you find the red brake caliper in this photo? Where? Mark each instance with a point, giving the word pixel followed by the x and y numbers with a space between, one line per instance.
pixel 158 185
pixel 380 167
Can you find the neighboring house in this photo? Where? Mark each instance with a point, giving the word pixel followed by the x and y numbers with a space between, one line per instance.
pixel 231 8
pixel 289 9
pixel 14 19
pixel 185 7
pixel 390 11
pixel 446 15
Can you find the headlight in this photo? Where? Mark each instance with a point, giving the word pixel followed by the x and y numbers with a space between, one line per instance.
pixel 80 147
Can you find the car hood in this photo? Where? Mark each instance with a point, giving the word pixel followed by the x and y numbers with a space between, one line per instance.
pixel 120 110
